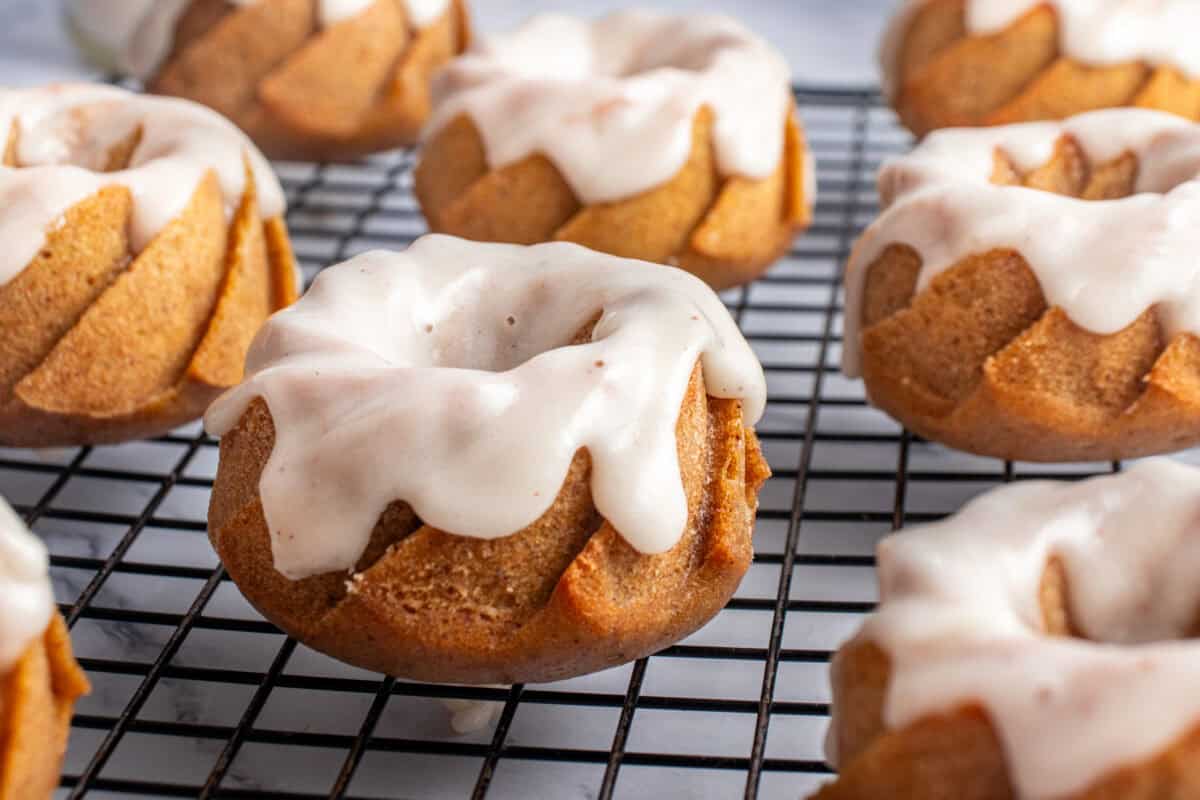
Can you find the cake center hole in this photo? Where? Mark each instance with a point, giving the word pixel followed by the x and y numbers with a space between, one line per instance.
pixel 1135 611
pixel 1070 172
pixel 686 54
pixel 495 319
pixel 505 342
pixel 99 137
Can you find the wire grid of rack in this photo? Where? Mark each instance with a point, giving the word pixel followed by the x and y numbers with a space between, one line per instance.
pixel 197 696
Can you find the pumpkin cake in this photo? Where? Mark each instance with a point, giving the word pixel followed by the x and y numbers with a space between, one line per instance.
pixel 1033 291
pixel 949 63
pixel 39 677
pixel 1039 645
pixel 665 138
pixel 144 245
pixel 317 80
pixel 488 463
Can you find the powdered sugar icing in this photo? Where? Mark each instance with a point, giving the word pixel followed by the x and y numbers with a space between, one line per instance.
pixel 960 620
pixel 1097 32
pixel 1104 263
pixel 441 376
pixel 611 101
pixel 26 600
pixel 64 135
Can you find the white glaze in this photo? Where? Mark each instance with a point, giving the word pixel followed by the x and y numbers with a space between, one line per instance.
pixel 440 376
pixel 423 13
pixel 136 36
pixel 1096 32
pixel 1103 263
pixel 611 101
pixel 960 620
pixel 64 134
pixel 330 12
pixel 26 599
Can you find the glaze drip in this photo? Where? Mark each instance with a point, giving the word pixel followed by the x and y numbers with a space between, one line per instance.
pixel 64 135
pixel 26 600
pixel 442 376
pixel 611 101
pixel 960 620
pixel 1102 262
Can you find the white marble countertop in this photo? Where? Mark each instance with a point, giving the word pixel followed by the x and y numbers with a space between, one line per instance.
pixel 826 41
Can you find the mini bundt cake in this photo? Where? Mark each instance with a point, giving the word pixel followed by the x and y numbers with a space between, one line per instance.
pixel 488 463
pixel 39 678
pixel 143 248
pixel 949 63
pixel 1037 646
pixel 671 139
pixel 306 79
pixel 1032 291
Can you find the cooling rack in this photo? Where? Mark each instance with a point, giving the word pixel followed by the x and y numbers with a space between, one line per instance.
pixel 197 696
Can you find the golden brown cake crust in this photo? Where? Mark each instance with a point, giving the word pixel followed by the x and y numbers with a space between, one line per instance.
pixel 564 596
pixel 358 86
pixel 979 362
pixel 947 77
pixel 957 755
pixel 37 698
pixel 108 346
pixel 726 230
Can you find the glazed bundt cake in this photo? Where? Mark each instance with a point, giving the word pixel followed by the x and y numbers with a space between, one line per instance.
pixel 39 678
pixel 671 139
pixel 143 248
pixel 485 463
pixel 1038 645
pixel 953 63
pixel 306 79
pixel 1031 292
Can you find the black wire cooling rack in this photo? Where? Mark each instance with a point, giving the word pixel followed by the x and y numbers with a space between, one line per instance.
pixel 197 696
